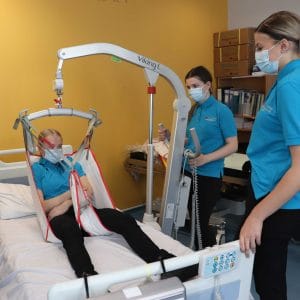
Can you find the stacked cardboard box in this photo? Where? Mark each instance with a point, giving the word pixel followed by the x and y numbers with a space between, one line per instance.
pixel 234 52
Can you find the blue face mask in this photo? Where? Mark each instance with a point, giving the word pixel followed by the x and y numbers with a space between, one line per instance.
pixel 197 95
pixel 264 63
pixel 54 155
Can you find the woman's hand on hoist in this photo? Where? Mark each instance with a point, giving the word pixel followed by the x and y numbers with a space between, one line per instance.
pixel 200 160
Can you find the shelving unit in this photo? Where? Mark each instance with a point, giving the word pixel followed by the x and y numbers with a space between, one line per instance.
pixel 261 84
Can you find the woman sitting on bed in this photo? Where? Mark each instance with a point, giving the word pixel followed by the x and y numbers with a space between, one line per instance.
pixel 52 181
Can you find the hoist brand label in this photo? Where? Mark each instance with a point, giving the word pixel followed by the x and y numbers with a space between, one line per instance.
pixel 148 62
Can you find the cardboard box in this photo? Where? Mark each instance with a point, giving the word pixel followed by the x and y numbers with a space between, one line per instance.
pixel 234 53
pixel 234 37
pixel 234 68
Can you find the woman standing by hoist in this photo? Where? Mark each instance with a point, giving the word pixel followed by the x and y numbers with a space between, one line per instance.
pixel 216 130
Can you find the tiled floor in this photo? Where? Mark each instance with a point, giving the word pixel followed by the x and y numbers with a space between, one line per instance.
pixel 293 266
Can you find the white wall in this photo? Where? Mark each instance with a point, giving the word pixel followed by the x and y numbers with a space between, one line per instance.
pixel 249 13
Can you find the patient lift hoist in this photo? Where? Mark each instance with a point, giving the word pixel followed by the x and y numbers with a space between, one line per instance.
pixel 176 188
pixel 172 187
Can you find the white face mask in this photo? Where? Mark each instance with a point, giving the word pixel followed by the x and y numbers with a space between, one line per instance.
pixel 264 63
pixel 197 95
pixel 54 155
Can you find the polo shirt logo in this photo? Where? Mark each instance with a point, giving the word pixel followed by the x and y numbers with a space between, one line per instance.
pixel 267 108
pixel 210 119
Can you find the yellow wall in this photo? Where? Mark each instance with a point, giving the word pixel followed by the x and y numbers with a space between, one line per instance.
pixel 177 33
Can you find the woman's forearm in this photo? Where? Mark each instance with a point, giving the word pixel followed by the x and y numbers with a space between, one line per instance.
pixel 55 201
pixel 59 209
pixel 230 147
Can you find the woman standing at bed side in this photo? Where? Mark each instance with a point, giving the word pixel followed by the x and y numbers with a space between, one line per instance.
pixel 52 181
pixel 217 133
pixel 274 152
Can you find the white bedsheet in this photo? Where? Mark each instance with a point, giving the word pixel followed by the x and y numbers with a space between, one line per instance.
pixel 29 265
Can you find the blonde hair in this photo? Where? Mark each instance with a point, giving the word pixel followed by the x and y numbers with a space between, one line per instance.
pixel 46 132
pixel 282 25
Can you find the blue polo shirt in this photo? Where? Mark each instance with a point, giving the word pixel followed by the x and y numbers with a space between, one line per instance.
pixel 53 179
pixel 276 127
pixel 214 123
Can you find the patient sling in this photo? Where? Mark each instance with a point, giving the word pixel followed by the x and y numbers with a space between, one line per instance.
pixel 84 210
pixel 85 214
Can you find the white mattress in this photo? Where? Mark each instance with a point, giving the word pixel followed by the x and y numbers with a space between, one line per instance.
pixel 29 265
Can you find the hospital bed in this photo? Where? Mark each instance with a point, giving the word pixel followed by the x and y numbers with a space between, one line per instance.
pixel 31 268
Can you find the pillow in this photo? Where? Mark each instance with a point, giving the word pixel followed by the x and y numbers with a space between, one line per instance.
pixel 15 201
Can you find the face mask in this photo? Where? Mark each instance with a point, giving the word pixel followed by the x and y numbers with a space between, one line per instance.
pixel 264 63
pixel 197 95
pixel 53 155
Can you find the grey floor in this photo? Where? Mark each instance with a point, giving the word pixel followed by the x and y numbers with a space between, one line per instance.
pixel 293 265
